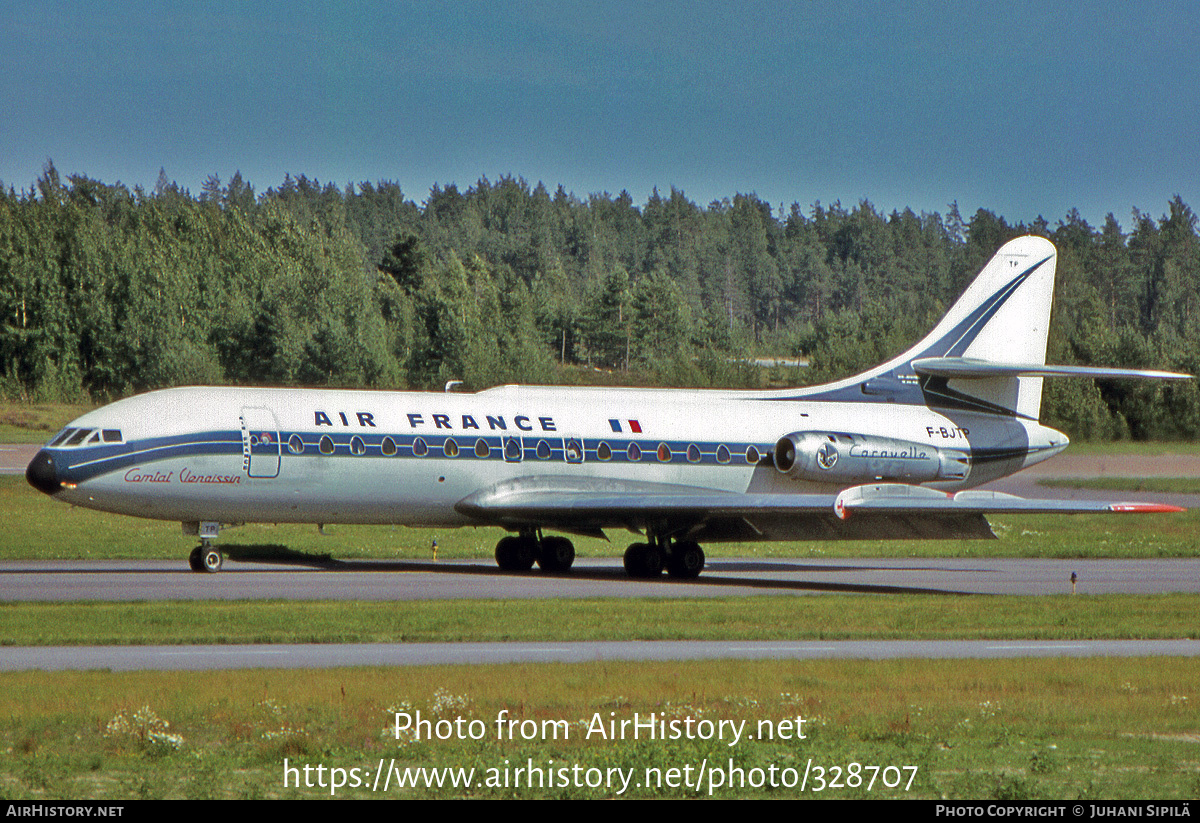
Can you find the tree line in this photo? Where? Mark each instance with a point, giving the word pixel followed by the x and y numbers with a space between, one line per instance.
pixel 106 291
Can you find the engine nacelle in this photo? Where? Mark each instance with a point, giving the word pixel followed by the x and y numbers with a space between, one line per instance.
pixel 835 457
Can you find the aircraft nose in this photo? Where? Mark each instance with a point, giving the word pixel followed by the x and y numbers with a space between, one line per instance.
pixel 42 474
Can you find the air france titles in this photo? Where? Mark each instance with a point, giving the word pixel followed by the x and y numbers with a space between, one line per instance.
pixel 451 422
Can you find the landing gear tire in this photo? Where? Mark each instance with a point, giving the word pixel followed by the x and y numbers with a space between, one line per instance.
pixel 644 561
pixel 196 559
pixel 211 560
pixel 556 554
pixel 516 554
pixel 686 560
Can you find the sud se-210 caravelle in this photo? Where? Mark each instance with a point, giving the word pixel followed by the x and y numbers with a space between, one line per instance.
pixel 891 453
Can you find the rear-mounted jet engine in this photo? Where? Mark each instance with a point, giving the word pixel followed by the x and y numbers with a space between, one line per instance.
pixel 834 457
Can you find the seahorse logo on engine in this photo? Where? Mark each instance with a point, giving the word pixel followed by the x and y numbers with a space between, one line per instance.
pixel 827 456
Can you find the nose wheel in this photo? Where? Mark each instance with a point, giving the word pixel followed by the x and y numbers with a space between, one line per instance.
pixel 205 558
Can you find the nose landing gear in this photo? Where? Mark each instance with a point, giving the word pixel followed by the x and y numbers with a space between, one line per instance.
pixel 206 558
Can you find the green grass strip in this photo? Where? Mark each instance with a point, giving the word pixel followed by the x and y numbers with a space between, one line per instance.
pixel 36 422
pixel 1064 729
pixel 1169 485
pixel 748 618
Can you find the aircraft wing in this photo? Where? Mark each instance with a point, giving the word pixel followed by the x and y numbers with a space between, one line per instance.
pixel 879 511
pixel 590 503
pixel 571 507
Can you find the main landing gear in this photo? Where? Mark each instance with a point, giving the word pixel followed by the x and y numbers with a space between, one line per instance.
pixel 682 559
pixel 206 558
pixel 518 553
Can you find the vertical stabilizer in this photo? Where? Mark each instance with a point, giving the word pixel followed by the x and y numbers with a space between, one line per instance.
pixel 1004 318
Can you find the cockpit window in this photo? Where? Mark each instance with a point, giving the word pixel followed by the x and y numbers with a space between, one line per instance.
pixel 63 435
pixel 73 437
pixel 78 437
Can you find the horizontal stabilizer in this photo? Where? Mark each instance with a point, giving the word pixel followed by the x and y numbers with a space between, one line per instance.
pixel 967 368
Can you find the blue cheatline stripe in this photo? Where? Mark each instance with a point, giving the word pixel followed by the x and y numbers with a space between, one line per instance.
pixel 100 460
pixel 133 452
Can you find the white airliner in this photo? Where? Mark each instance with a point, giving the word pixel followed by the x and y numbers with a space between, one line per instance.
pixel 891 453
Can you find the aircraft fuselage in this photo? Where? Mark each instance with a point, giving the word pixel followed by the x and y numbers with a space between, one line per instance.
pixel 329 456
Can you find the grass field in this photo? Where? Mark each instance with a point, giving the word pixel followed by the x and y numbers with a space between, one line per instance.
pixel 822 617
pixel 1167 485
pixel 35 422
pixel 1133 447
pixel 1008 729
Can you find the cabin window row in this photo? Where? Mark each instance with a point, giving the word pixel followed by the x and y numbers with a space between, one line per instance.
pixel 511 450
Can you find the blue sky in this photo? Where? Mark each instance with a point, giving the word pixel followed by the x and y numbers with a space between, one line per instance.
pixel 1025 109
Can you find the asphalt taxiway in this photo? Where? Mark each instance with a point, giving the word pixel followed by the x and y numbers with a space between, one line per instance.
pixel 406 581
pixel 15 457
pixel 313 656
pixel 382 580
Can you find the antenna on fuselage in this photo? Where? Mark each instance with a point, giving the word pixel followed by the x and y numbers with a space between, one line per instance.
pixel 451 385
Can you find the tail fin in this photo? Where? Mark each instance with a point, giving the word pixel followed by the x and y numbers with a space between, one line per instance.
pixel 991 347
pixel 1003 318
pixel 988 354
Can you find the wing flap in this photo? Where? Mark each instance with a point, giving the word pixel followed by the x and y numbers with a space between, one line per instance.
pixel 894 497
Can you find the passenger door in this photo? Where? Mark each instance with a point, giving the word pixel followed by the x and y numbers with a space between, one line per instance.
pixel 261 448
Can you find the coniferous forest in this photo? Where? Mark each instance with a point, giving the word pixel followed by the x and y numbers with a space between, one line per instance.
pixel 106 291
